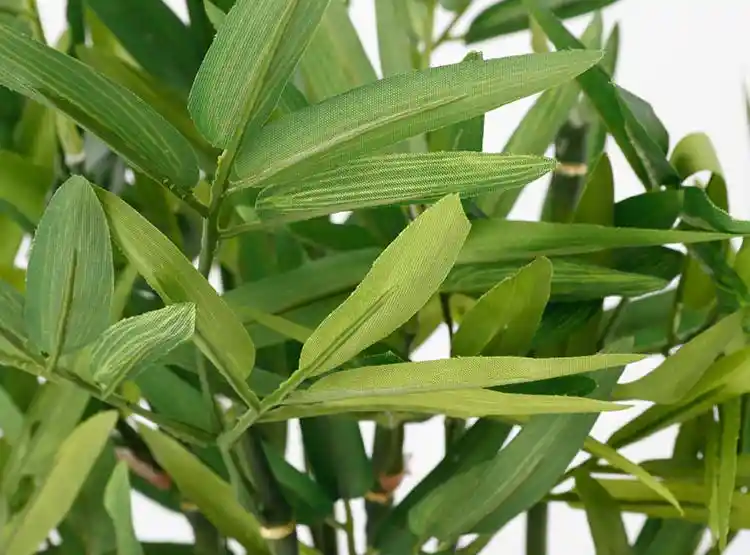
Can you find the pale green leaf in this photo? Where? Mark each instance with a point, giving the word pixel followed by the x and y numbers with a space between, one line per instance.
pixel 121 119
pixel 502 240
pixel 374 116
pixel 673 379
pixel 507 316
pixel 69 282
pixel 12 324
pixel 23 188
pixel 396 179
pixel 73 462
pixel 131 345
pixel 117 502
pixel 11 418
pixel 220 335
pixel 602 451
pixel 250 61
pixel 603 514
pixel 721 465
pixel 448 374
pixel 394 36
pixel 211 494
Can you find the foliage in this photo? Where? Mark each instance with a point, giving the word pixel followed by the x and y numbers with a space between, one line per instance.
pixel 144 154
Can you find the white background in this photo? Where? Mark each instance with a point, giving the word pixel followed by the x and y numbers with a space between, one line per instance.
pixel 689 59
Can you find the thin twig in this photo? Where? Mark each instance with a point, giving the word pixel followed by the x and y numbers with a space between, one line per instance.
pixel 349 525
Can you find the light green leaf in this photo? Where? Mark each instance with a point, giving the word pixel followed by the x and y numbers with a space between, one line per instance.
pixel 394 36
pixel 673 379
pixel 131 345
pixel 509 16
pixel 603 514
pixel 374 116
pixel 73 462
pixel 117 502
pixel 126 123
pixel 448 374
pixel 396 179
pixel 69 283
pixel 693 154
pixel 401 281
pixel 502 240
pixel 23 188
pixel 507 316
pixel 250 61
pixel 464 403
pixel 11 418
pixel 220 335
pixel 602 451
pixel 721 468
pixel 12 326
pixel 211 494
pixel 644 155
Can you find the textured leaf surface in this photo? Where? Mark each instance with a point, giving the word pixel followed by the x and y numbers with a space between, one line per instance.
pixel 132 344
pixel 69 282
pixel 397 179
pixel 371 117
pixel 249 63
pixel 220 335
pixel 121 119
pixel 210 493
pixel 72 464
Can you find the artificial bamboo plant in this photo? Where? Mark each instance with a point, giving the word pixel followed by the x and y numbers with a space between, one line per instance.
pixel 144 154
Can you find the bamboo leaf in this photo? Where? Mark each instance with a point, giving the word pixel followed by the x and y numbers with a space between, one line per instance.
pixel 23 189
pixel 220 335
pixel 508 315
pixel 401 281
pixel 673 379
pixel 126 123
pixel 368 118
pixel 73 462
pixel 248 65
pixel 11 418
pixel 133 344
pixel 69 283
pixel 396 179
pixel 642 152
pixel 211 494
pixel 117 503
pixel 603 514
pixel 721 466
pixel 394 36
pixel 12 324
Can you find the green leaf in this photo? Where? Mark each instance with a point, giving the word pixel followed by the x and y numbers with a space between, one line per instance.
pixel 642 152
pixel 220 335
pixel 602 451
pixel 394 37
pixel 503 240
pixel 451 374
pixel 507 316
pixel 341 128
pixel 248 65
pixel 64 277
pixel 155 37
pixel 73 462
pixel 12 324
pixel 603 514
pixel 117 503
pixel 132 345
pixel 509 16
pixel 673 379
pixel 211 494
pixel 401 281
pixel 396 179
pixel 11 418
pixel 126 123
pixel 721 468
pixel 23 189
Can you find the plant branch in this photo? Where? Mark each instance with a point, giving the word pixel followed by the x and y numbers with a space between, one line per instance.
pixel 445 35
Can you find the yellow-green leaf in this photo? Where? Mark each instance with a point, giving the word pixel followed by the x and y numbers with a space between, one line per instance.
pixel 117 502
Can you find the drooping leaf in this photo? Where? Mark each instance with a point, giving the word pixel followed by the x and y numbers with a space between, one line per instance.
pixel 248 64
pixel 603 514
pixel 51 502
pixel 642 152
pixel 156 38
pixel 69 283
pixel 126 123
pixel 507 316
pixel 679 373
pixel 220 335
pixel 132 344
pixel 396 179
pixel 510 16
pixel 367 118
pixel 117 503
pixel 211 494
